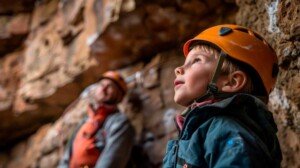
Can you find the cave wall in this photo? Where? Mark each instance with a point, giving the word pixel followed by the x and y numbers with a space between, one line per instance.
pixel 58 49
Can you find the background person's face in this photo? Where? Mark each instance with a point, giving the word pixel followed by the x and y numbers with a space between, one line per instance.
pixel 193 77
pixel 107 92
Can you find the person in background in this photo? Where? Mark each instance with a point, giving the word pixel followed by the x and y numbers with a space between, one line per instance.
pixel 104 138
pixel 225 82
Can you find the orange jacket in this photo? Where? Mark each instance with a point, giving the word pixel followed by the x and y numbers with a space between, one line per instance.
pixel 84 150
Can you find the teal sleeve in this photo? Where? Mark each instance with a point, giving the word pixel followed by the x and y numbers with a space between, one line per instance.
pixel 227 144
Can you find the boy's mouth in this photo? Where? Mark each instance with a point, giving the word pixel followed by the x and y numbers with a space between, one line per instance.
pixel 178 83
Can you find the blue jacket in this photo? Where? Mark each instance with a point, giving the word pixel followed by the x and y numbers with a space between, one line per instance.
pixel 236 132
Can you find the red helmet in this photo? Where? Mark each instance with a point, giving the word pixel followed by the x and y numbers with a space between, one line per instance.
pixel 243 45
pixel 117 78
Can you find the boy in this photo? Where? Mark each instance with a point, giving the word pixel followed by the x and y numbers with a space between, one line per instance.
pixel 226 123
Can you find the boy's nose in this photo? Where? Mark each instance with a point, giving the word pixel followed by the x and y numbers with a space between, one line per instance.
pixel 179 70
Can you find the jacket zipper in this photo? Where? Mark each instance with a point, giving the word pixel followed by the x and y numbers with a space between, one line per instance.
pixel 177 143
pixel 176 152
pixel 179 137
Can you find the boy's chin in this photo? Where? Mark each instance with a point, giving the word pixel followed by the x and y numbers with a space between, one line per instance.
pixel 181 102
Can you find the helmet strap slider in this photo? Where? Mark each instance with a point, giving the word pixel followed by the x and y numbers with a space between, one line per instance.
pixel 212 88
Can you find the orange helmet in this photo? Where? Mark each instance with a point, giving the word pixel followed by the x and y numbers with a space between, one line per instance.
pixel 117 78
pixel 243 45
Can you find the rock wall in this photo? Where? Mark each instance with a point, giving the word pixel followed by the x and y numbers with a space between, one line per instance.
pixel 57 49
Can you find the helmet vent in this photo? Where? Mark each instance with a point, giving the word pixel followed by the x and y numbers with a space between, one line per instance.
pixel 261 39
pixel 258 36
pixel 250 33
pixel 242 29
pixel 224 31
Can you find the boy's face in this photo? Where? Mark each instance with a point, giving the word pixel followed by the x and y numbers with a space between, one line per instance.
pixel 107 92
pixel 193 77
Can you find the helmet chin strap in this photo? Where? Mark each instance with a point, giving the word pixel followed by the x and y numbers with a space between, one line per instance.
pixel 212 89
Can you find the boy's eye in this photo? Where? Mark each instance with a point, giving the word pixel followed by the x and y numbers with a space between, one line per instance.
pixel 196 60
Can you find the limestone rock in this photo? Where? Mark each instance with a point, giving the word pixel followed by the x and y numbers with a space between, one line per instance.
pixel 18 6
pixel 11 71
pixel 43 12
pixel 13 30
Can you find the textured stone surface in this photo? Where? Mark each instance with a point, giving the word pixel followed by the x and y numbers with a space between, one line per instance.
pixel 10 69
pixel 18 6
pixel 13 30
pixel 144 32
pixel 44 11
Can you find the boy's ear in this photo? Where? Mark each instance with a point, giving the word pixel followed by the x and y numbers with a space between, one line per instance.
pixel 233 82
